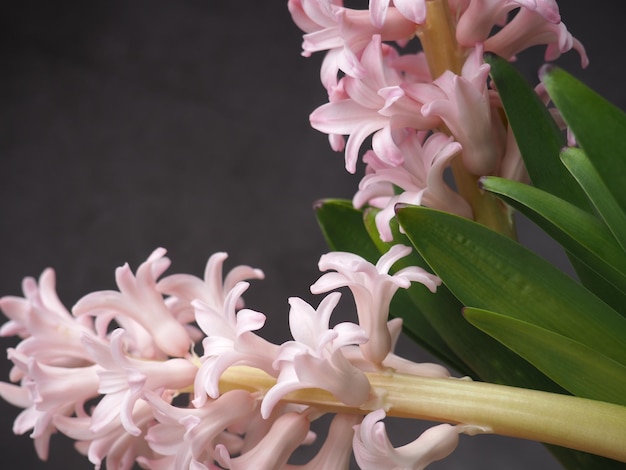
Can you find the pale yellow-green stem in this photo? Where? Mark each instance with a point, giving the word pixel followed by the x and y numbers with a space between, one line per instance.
pixel 577 423
pixel 443 53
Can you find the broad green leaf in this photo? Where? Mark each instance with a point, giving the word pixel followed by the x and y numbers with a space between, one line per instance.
pixel 540 141
pixel 571 459
pixel 576 367
pixel 484 269
pixel 344 230
pixel 481 356
pixel 605 203
pixel 579 232
pixel 486 359
pixel 538 137
pixel 598 125
pixel 598 285
pixel 417 327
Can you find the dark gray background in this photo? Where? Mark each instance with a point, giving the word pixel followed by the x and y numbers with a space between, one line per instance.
pixel 128 125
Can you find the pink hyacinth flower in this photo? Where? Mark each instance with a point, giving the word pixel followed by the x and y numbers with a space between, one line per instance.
pixel 314 359
pixel 337 448
pixel 139 300
pixel 528 29
pixel 480 17
pixel 190 435
pixel 51 334
pixel 124 380
pixel 47 392
pixel 113 443
pixel 40 422
pixel 466 110
pixel 420 176
pixel 374 451
pixel 413 10
pixel 287 433
pixel 373 288
pixel 373 104
pixel 53 387
pixel 213 288
pixel 230 341
pixel 393 361
pixel 330 26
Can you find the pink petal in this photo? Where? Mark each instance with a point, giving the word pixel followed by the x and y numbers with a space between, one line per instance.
pixel 286 434
pixel 413 10
pixel 378 12
pixel 374 451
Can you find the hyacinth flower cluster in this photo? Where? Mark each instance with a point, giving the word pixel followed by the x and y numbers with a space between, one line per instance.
pixel 170 371
pixel 425 111
pixel 120 374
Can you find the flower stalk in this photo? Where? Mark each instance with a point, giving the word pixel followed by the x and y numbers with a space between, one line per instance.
pixel 438 40
pixel 437 36
pixel 563 420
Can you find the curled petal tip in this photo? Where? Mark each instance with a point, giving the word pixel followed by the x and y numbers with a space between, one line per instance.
pixel 399 206
pixel 481 182
pixel 545 69
pixel 317 205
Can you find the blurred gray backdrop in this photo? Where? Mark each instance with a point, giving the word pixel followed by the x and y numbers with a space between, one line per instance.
pixel 129 125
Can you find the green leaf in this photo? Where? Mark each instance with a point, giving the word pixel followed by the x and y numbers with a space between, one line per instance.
pixel 484 269
pixel 598 285
pixel 482 357
pixel 540 141
pixel 579 232
pixel 343 229
pixel 605 203
pixel 538 137
pixel 598 125
pixel 576 367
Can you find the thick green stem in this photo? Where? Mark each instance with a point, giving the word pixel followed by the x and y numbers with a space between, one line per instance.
pixel 577 423
pixel 443 53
